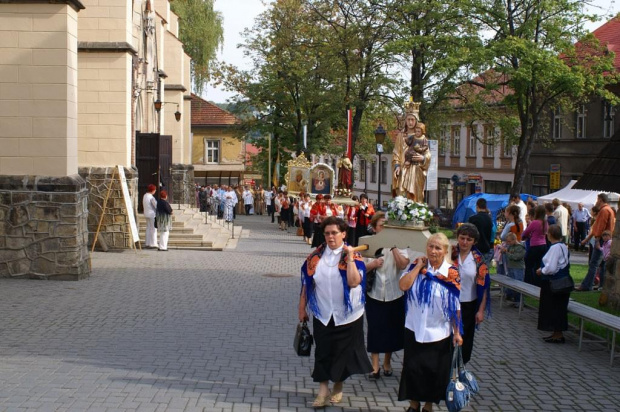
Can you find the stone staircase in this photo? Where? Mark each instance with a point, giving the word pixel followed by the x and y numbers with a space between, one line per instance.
pixel 192 230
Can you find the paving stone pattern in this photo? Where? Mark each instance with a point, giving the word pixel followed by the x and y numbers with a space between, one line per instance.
pixel 208 331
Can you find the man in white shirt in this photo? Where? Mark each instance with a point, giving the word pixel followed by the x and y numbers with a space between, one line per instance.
pixel 581 216
pixel 516 199
pixel 248 200
pixel 269 203
pixel 561 216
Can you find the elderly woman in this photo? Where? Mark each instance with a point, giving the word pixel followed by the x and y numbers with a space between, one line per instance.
pixel 475 284
pixel 552 310
pixel 332 280
pixel 432 325
pixel 385 305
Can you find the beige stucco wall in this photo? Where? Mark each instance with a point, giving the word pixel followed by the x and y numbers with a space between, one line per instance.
pixel 105 109
pixel 171 126
pixel 231 149
pixel 106 21
pixel 38 89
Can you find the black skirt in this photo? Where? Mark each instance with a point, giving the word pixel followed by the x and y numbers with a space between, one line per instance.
pixel 339 351
pixel 426 370
pixel 307 225
pixel 552 309
pixel 386 325
pixel 468 314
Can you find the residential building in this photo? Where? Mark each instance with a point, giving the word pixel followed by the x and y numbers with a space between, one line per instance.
pixel 218 154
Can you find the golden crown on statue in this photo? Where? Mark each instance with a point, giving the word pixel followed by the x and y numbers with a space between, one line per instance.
pixel 412 108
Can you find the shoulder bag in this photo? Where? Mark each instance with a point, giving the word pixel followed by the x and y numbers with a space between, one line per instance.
pixel 303 340
pixel 457 393
pixel 562 282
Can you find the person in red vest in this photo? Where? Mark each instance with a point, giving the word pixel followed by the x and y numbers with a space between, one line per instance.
pixel 366 212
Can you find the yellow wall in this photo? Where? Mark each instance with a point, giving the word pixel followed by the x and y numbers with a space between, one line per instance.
pixel 231 149
pixel 38 89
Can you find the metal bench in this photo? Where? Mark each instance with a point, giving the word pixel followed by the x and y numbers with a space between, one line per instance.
pixel 516 285
pixel 607 320
pixel 583 312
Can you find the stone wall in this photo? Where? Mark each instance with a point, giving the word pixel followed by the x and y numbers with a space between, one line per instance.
pixel 43 233
pixel 114 232
pixel 183 186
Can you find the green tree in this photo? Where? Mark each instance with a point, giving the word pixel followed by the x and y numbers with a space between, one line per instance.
pixel 201 32
pixel 532 65
pixel 433 38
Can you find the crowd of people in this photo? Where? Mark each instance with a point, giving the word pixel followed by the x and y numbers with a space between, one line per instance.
pixel 534 247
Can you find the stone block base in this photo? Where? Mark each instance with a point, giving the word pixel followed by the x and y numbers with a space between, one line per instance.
pixel 43 233
pixel 114 231
pixel 183 186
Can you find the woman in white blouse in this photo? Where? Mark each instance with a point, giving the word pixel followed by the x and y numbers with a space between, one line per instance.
pixel 149 206
pixel 553 307
pixel 385 306
pixel 432 325
pixel 332 290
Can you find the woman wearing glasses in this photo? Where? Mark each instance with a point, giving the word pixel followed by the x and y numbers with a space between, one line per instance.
pixel 332 279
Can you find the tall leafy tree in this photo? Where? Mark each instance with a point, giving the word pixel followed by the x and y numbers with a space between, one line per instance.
pixel 532 65
pixel 357 34
pixel 201 32
pixel 433 40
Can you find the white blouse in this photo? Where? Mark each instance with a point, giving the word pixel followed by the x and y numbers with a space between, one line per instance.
pixel 555 259
pixel 428 322
pixel 149 204
pixel 467 270
pixel 386 288
pixel 329 291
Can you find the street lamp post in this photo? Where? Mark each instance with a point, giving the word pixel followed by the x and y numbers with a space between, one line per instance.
pixel 379 138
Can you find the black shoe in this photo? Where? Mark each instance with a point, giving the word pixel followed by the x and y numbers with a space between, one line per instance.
pixel 548 337
pixel 388 372
pixel 556 340
pixel 410 409
pixel 374 375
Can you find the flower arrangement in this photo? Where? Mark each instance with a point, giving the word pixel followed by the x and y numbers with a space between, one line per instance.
pixel 401 210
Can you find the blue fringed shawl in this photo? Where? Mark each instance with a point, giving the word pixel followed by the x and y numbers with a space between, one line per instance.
pixel 422 288
pixel 308 269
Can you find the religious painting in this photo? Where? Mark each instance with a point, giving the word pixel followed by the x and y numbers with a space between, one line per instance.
pixel 298 176
pixel 322 179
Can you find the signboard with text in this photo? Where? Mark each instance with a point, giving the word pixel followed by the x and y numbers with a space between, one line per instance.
pixel 554 177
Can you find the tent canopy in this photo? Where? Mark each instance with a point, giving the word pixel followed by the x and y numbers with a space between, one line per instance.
pixel 495 203
pixel 575 196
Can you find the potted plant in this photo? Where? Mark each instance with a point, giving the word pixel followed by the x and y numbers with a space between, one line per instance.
pixel 406 212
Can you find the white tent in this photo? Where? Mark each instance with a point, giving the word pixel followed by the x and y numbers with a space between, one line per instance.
pixel 575 196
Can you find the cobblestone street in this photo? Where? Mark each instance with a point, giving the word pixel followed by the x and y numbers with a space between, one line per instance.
pixel 213 331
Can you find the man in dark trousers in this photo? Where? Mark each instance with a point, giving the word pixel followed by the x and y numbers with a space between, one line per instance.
pixel 484 224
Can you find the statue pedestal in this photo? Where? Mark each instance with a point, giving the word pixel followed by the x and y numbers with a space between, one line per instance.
pixel 403 237
pixel 341 200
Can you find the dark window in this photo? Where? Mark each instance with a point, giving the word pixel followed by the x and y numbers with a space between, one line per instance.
pixel 373 172
pixel 496 187
pixel 383 172
pixel 363 170
pixel 540 185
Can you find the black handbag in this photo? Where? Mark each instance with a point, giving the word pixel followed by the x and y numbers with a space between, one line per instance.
pixel 562 282
pixel 303 340
pixel 371 275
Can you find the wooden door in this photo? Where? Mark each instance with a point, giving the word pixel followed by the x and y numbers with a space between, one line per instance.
pixel 165 165
pixel 147 162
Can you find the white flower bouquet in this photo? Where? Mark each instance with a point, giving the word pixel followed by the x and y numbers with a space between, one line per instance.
pixel 402 210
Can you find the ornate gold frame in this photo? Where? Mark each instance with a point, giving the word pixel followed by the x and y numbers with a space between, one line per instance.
pixel 298 163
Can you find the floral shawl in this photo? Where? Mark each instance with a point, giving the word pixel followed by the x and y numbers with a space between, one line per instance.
pixel 483 280
pixel 308 269
pixel 449 293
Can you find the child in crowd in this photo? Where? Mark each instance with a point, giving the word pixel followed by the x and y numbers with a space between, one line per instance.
pixel 515 253
pixel 606 249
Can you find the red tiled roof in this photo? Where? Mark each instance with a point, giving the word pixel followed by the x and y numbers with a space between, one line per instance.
pixel 250 151
pixel 208 114
pixel 609 36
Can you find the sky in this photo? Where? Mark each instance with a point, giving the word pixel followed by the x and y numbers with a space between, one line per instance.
pixel 239 14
